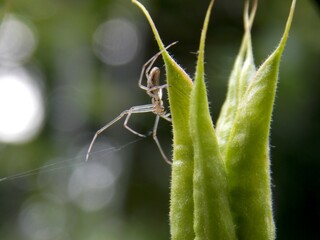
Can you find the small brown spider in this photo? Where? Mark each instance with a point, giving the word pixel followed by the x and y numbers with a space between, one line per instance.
pixel 154 90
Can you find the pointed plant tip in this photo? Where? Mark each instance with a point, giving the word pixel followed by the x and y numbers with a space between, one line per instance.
pixel 203 34
pixel 253 12
pixel 152 25
pixel 248 16
pixel 285 35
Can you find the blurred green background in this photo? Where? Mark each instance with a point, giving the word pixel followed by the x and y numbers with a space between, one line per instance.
pixel 67 67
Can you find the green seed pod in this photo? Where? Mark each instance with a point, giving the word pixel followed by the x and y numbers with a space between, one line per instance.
pixel 180 85
pixel 243 71
pixel 247 151
pixel 212 215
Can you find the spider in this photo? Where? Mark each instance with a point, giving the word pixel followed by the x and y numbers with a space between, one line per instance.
pixel 154 90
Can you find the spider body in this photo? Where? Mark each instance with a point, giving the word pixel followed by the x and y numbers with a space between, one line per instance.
pixel 155 92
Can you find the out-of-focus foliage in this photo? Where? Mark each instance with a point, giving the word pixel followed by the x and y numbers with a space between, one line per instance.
pixel 85 57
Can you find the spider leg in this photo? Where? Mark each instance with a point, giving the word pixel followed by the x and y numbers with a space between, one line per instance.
pixel 166 117
pixel 103 129
pixel 155 138
pixel 135 109
pixel 157 87
pixel 147 66
pixel 143 71
pixel 156 95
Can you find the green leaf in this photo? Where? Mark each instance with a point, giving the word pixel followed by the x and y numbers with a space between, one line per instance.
pixel 180 85
pixel 212 216
pixel 247 152
pixel 243 71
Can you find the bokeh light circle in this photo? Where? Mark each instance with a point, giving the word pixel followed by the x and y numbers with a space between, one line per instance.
pixel 40 220
pixel 21 106
pixel 92 186
pixel 17 40
pixel 116 42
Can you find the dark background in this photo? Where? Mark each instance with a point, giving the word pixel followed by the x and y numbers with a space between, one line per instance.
pixel 86 59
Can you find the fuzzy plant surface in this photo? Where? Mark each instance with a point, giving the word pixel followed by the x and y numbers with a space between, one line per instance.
pixel 221 186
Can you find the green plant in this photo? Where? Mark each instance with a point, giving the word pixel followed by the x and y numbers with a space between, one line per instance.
pixel 221 176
